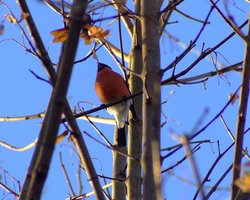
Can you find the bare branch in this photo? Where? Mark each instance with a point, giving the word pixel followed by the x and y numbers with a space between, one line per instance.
pixel 120 7
pixel 191 46
pixel 194 150
pixel 207 125
pixel 10 191
pixel 203 55
pixel 230 23
pixel 235 67
pixel 190 17
pixel 185 143
pixel 11 147
pixel 86 195
pixel 66 175
pixel 242 112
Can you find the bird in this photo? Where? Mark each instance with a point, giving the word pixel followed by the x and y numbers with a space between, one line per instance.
pixel 110 87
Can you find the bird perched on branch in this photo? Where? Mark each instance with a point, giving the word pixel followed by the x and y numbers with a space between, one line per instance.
pixel 110 87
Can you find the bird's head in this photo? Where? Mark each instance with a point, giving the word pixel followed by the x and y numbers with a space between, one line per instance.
pixel 102 66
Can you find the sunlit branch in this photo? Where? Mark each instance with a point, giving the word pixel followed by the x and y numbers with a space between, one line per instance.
pixel 120 7
pixel 244 151
pixel 79 180
pixel 10 191
pixel 29 146
pixel 22 118
pixel 96 119
pixel 13 148
pixel 235 67
pixel 79 197
pixel 114 56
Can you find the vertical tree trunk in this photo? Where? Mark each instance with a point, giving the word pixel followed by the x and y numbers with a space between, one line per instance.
pixel 151 100
pixel 135 129
pixel 119 188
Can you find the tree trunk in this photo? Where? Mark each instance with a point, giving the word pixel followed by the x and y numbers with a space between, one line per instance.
pixel 151 100
pixel 135 129
pixel 119 172
pixel 241 117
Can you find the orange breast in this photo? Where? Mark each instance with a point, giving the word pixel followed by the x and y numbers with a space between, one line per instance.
pixel 110 86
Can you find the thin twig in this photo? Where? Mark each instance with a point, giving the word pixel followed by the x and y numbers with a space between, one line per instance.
pixel 196 173
pixel 207 125
pixel 190 17
pixel 214 188
pixel 206 178
pixel 88 194
pixel 230 23
pixel 126 20
pixel 244 151
pixel 87 112
pixel 66 175
pixel 210 50
pixel 10 191
pixel 190 46
pixel 79 179
pixel 178 145
pixel 111 148
pixel 194 150
pixel 235 67
pixel 100 133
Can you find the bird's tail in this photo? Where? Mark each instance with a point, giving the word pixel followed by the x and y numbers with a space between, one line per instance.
pixel 121 137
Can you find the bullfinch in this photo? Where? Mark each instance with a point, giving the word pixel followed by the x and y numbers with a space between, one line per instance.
pixel 110 87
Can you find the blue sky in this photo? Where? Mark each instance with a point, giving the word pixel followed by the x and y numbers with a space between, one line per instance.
pixel 22 94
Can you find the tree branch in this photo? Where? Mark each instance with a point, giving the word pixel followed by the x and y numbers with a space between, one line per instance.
pixel 241 119
pixel 77 137
pixel 120 7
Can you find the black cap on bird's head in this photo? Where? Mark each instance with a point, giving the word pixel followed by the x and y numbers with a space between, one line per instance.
pixel 102 66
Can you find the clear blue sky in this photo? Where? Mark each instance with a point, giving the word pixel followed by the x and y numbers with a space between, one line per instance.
pixel 22 94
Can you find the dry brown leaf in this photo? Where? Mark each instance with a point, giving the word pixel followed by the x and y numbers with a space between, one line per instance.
pixel 88 39
pixel 90 33
pixel 60 35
